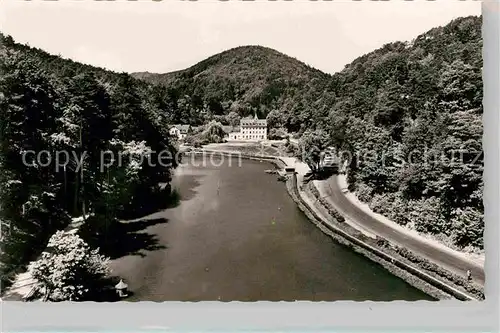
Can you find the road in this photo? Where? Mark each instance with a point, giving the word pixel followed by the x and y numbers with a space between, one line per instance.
pixel 433 253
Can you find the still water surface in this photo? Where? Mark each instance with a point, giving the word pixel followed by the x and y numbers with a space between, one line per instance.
pixel 237 235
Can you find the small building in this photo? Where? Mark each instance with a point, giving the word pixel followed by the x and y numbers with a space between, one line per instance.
pixel 234 135
pixel 179 131
pixel 251 129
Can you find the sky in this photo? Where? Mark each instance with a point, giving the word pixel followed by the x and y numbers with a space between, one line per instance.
pixel 163 36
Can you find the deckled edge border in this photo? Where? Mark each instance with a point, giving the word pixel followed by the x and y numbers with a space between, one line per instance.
pixel 308 316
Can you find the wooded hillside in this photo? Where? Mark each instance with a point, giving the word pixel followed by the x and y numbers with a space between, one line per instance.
pixel 418 106
pixel 61 122
pixel 418 101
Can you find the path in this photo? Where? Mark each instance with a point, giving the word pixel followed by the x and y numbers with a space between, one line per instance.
pixel 24 282
pixel 439 254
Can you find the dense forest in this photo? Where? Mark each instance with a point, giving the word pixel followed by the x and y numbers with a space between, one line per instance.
pixel 418 106
pixel 246 80
pixel 419 102
pixel 61 123
pixel 420 99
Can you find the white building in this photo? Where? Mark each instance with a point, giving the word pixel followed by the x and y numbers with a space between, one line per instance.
pixel 251 129
pixel 179 131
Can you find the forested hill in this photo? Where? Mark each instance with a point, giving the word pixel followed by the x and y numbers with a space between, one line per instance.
pixel 252 79
pixel 243 69
pixel 246 80
pixel 421 103
pixel 419 99
pixel 61 111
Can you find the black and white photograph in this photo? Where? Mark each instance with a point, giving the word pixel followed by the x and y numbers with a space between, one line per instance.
pixel 241 151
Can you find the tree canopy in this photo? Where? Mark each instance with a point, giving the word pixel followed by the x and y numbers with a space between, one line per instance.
pixel 63 127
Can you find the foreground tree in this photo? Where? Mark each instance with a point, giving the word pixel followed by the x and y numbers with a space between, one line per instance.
pixel 68 114
pixel 71 270
pixel 29 193
pixel 214 132
pixel 312 144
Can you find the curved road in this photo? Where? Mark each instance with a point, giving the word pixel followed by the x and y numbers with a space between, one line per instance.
pixel 446 259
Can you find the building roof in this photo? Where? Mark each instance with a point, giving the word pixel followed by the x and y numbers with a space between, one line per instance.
pixel 121 285
pixel 253 122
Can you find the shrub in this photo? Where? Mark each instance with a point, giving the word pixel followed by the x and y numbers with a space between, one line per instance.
pixel 333 212
pixel 382 203
pixel 277 134
pixel 431 267
pixel 382 242
pixel 399 210
pixel 364 192
pixel 468 227
pixel 293 151
pixel 426 215
pixel 70 270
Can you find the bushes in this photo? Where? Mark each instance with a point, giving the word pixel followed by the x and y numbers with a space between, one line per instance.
pixel 382 242
pixel 426 215
pixel 332 211
pixel 382 203
pixel 364 192
pixel 463 229
pixel 396 251
pixel 399 210
pixel 277 134
pixel 391 205
pixel 71 271
pixel 336 215
pixel 431 267
pixel 292 150
pixel 467 227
